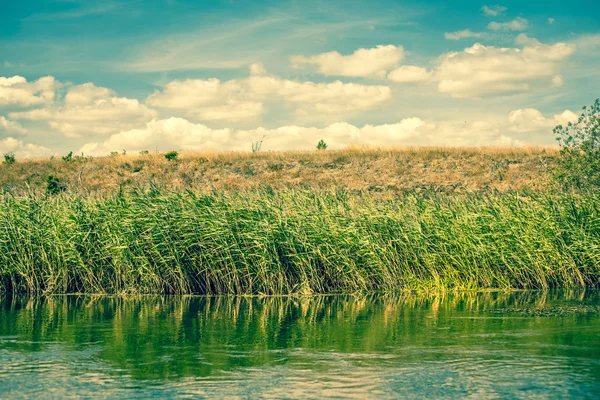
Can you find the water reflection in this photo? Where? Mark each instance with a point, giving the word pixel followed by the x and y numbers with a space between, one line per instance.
pixel 451 345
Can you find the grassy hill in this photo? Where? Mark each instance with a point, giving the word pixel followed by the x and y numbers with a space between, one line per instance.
pixel 375 170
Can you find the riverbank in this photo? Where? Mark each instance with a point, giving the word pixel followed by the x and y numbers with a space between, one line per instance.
pixel 298 241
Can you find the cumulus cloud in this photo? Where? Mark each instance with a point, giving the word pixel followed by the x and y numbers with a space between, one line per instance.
pixel 17 91
pixel 480 70
pixel 527 120
pixel 22 149
pixel 10 127
pixel 465 33
pixel 244 99
pixel 517 24
pixel 373 62
pixel 410 74
pixel 91 110
pixel 493 11
pixel 182 134
pixel 168 134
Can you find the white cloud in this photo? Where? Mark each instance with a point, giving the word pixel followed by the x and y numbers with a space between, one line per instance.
pixel 493 11
pixel 22 149
pixel 373 62
pixel 480 70
pixel 465 33
pixel 91 110
pixel 557 81
pixel 410 74
pixel 11 127
pixel 551 21
pixel 517 24
pixel 17 91
pixel 244 99
pixel 177 133
pixel 527 120
pixel 168 134
pixel 210 99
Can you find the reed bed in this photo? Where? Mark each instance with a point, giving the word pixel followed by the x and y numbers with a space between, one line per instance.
pixel 297 241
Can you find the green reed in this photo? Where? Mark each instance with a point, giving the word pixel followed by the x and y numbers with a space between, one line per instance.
pixel 297 241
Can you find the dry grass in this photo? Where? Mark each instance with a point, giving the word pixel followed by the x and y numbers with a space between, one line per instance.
pixel 377 170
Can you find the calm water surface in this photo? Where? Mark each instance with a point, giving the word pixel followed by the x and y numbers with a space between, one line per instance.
pixel 487 345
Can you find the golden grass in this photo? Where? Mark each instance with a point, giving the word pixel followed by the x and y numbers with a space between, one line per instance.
pixel 378 170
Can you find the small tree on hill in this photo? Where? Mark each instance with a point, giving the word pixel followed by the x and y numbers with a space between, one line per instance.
pixel 9 158
pixel 579 164
pixel 171 155
pixel 321 145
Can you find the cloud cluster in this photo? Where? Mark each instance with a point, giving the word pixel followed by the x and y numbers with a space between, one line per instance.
pixel 374 62
pixel 465 33
pixel 90 110
pixel 527 120
pixel 493 11
pixel 410 74
pixel 8 127
pixel 517 24
pixel 18 92
pixel 178 133
pixel 244 99
pixel 481 71
pixel 22 149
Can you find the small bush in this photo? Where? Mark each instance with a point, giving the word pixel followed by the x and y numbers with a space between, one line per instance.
pixel 54 185
pixel 144 152
pixel 9 158
pixel 256 146
pixel 68 157
pixel 579 162
pixel 321 145
pixel 172 155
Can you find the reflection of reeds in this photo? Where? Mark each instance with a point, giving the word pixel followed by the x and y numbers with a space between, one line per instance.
pixel 173 334
pixel 265 242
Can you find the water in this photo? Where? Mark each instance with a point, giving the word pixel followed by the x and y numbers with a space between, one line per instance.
pixel 487 345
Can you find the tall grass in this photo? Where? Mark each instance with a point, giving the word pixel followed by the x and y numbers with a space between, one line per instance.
pixel 289 241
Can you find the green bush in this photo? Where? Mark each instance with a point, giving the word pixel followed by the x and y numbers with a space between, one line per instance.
pixel 9 158
pixel 321 145
pixel 171 155
pixel 579 163
pixel 54 185
pixel 68 157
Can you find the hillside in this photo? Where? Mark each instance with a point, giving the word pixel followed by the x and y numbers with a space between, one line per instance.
pixel 375 170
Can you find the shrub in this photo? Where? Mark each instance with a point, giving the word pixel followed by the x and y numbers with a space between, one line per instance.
pixel 256 146
pixel 172 155
pixel 579 163
pixel 9 158
pixel 68 157
pixel 321 145
pixel 54 185
pixel 144 152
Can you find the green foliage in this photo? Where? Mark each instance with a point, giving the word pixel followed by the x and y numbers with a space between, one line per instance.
pixel 290 241
pixel 68 157
pixel 114 153
pixel 9 158
pixel 144 152
pixel 579 164
pixel 54 185
pixel 321 145
pixel 172 155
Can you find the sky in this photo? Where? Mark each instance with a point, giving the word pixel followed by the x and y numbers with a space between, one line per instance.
pixel 97 76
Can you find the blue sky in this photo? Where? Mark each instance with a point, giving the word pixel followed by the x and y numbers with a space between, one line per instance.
pixel 98 76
